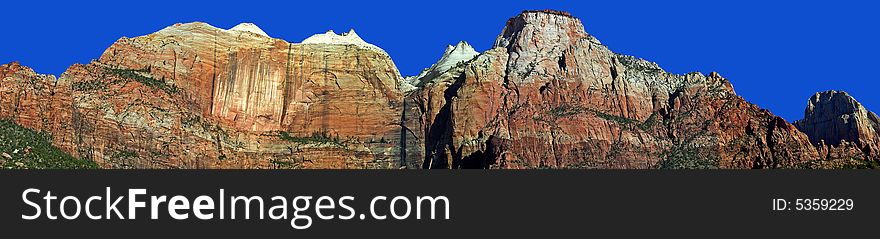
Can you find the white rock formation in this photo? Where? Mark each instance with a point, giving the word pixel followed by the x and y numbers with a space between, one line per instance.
pixel 453 55
pixel 249 27
pixel 349 38
pixel 408 84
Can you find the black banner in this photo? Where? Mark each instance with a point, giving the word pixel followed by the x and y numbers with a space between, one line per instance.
pixel 495 204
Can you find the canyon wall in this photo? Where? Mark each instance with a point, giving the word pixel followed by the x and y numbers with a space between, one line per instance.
pixel 550 95
pixel 196 96
pixel 546 95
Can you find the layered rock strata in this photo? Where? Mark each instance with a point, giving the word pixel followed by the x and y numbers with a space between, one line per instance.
pixel 550 95
pixel 546 95
pixel 196 96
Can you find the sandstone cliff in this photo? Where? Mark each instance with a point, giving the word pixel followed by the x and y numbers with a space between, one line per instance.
pixel 546 95
pixel 550 95
pixel 39 102
pixel 842 128
pixel 195 96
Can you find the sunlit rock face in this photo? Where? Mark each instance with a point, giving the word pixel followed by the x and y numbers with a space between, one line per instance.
pixel 37 101
pixel 550 95
pixel 194 96
pixel 546 95
pixel 257 83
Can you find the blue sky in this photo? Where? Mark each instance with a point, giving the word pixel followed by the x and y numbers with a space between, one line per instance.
pixel 776 53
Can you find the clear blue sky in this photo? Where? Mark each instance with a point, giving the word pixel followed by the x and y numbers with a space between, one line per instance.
pixel 776 53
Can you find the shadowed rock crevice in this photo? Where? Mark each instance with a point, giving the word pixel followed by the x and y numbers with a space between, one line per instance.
pixel 439 147
pixel 481 159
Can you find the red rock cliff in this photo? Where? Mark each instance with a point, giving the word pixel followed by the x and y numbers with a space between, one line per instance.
pixel 547 95
pixel 550 95
pixel 192 95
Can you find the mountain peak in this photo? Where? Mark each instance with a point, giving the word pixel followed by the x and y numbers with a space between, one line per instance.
pixel 550 89
pixel 560 26
pixel 463 45
pixel 461 52
pixel 205 28
pixel 835 116
pixel 249 27
pixel 550 11
pixel 351 33
pixel 348 38
pixel 842 103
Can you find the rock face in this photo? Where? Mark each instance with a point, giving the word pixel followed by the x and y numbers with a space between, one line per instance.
pixel 547 95
pixel 837 121
pixel 550 95
pixel 196 96
pixel 249 27
pixel 453 55
pixel 36 101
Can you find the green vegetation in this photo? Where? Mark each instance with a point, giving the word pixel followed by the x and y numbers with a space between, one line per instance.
pixel 381 140
pixel 315 138
pixel 686 159
pixel 158 154
pixel 283 164
pixel 125 75
pixel 565 110
pixel 619 119
pixel 123 154
pixel 847 163
pixel 140 76
pixel 122 158
pixel 650 122
pixel 91 85
pixel 29 149
pixel 195 121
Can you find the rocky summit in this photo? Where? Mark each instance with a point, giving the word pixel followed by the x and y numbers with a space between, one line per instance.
pixel 546 95
pixel 841 126
pixel 550 95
